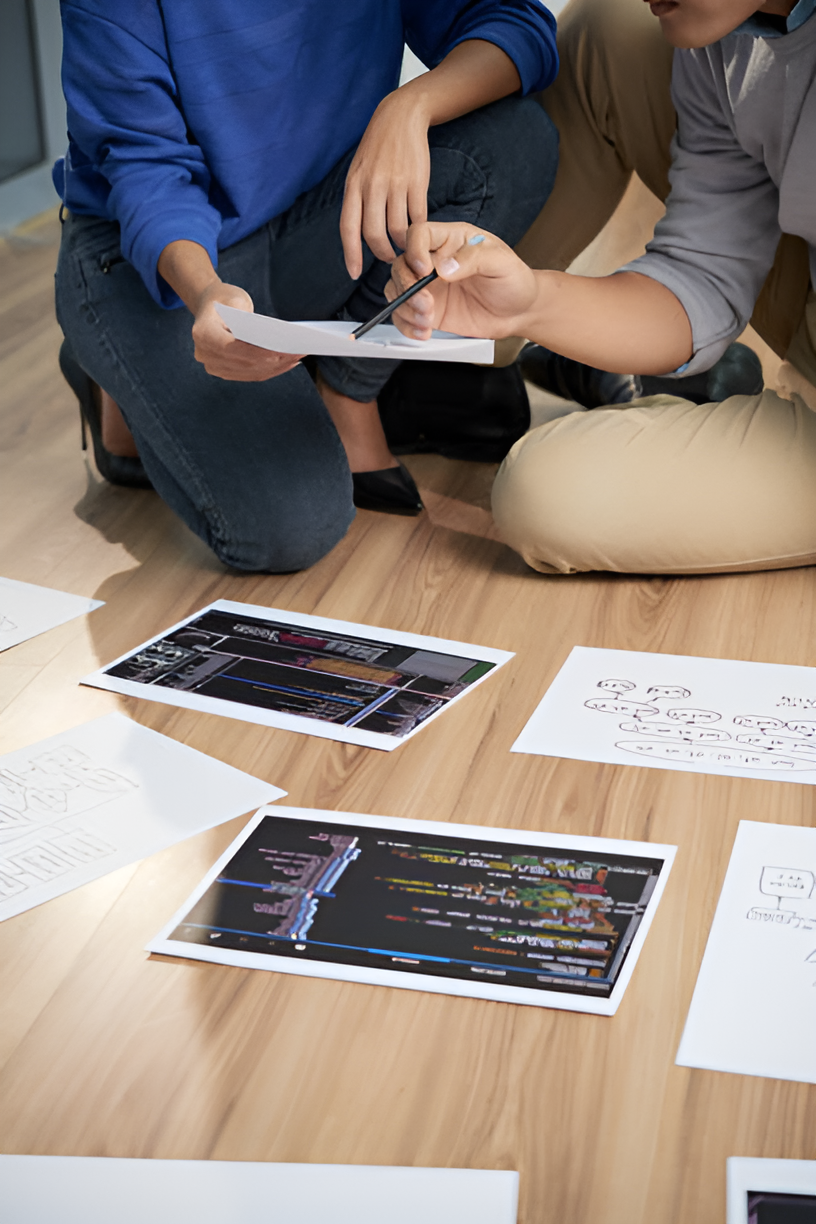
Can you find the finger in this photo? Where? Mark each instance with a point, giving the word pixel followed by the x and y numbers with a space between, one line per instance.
pixel 428 238
pixel 374 224
pixel 418 204
pixel 397 214
pixel 351 222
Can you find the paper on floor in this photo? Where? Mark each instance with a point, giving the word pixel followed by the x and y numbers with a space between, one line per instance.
pixel 87 801
pixel 503 914
pixel 332 338
pixel 27 610
pixel 714 716
pixel 312 674
pixel 761 1189
pixel 99 1189
pixel 754 1005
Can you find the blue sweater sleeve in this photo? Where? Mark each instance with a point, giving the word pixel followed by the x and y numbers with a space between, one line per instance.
pixel 524 29
pixel 130 126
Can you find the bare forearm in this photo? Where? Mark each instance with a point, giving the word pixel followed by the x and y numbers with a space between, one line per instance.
pixel 188 270
pixel 625 323
pixel 473 74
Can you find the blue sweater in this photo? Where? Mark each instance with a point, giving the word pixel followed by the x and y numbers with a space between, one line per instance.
pixel 203 119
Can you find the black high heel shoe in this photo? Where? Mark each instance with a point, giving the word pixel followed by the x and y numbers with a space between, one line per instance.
pixel 117 469
pixel 389 490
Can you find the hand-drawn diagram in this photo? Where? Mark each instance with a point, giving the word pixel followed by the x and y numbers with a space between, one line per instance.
pixel 7 625
pixel 39 801
pixel 793 886
pixel 689 735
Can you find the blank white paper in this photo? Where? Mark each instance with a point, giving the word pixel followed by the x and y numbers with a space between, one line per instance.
pixel 748 1174
pixel 220 661
pixel 99 1189
pixel 332 338
pixel 754 1005
pixel 714 716
pixel 87 801
pixel 27 610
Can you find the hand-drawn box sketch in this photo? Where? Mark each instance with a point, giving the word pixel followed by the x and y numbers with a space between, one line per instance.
pixel 752 720
pixel 102 795
pixel 754 1005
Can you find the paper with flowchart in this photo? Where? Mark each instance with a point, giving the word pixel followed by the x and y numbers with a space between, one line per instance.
pixel 99 1189
pixel 87 801
pixel 27 610
pixel 766 1189
pixel 714 716
pixel 333 338
pixel 754 1005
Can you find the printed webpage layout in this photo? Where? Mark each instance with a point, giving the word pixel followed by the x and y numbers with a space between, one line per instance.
pixel 333 338
pixel 502 914
pixel 331 678
pixel 767 1191
pixel 90 800
pixel 27 610
pixel 100 1189
pixel 754 1006
pixel 714 716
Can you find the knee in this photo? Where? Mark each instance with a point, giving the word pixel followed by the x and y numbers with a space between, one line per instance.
pixel 664 487
pixel 278 537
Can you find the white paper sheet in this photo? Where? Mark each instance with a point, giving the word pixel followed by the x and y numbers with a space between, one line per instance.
pixel 331 668
pixel 99 1189
pixel 332 338
pixel 749 1175
pixel 299 888
pixel 27 610
pixel 754 1005
pixel 715 716
pixel 87 801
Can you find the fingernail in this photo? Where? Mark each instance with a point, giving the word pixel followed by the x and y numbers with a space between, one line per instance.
pixel 448 266
pixel 419 335
pixel 476 239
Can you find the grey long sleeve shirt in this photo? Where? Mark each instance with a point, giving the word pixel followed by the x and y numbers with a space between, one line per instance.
pixel 743 172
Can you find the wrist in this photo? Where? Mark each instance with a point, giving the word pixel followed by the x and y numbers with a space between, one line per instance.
pixel 532 322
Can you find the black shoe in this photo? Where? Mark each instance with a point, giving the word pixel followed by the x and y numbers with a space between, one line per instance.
pixel 738 372
pixel 390 490
pixel 573 380
pixel 117 469
pixel 455 409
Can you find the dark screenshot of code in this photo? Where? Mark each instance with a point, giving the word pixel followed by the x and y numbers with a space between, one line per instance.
pixel 448 906
pixel 767 1208
pixel 332 677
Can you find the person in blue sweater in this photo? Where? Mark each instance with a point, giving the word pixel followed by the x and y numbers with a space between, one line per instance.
pixel 259 153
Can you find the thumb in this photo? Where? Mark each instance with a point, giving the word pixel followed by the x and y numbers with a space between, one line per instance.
pixel 480 255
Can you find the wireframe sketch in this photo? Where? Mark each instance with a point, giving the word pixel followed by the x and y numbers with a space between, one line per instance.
pixel 792 888
pixel 39 839
pixel 7 625
pixel 667 729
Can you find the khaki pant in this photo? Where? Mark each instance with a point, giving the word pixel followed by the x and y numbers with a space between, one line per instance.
pixel 663 485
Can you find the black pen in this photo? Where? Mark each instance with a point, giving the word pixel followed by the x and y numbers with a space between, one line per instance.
pixel 392 306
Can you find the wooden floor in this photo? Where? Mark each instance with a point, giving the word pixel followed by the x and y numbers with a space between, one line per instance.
pixel 105 1051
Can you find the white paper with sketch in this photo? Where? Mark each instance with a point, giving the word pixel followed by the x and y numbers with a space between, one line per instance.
pixel 715 716
pixel 511 915
pixel 758 1182
pixel 332 338
pixel 100 1189
pixel 356 683
pixel 82 803
pixel 754 1005
pixel 27 610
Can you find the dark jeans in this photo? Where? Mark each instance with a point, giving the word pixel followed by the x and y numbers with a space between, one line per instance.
pixel 257 470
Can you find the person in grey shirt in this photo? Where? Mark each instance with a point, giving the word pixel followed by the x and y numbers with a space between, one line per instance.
pixel 663 485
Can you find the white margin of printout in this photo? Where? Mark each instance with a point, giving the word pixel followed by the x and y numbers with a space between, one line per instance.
pixel 297 722
pixel 745 1173
pixel 163 944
